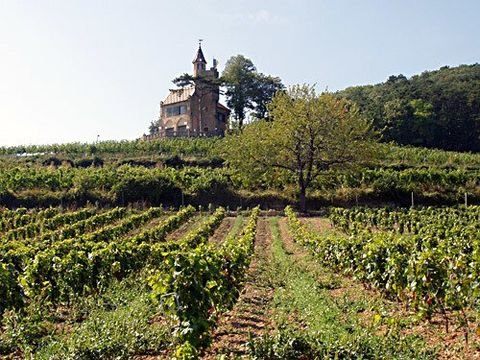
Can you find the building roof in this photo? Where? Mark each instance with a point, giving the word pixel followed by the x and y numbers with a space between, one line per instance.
pixel 223 107
pixel 179 95
pixel 199 57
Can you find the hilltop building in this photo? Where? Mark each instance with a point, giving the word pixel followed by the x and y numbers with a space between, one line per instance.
pixel 194 110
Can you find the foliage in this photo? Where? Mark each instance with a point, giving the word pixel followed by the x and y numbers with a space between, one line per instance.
pixel 309 134
pixel 314 323
pixel 435 176
pixel 118 325
pixel 13 219
pixel 136 184
pixel 246 89
pixel 200 281
pixel 34 228
pixel 428 258
pixel 115 185
pixel 51 273
pixel 197 146
pixel 414 157
pixel 153 128
pixel 438 109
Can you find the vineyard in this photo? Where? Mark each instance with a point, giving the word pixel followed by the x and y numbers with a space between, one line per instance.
pixel 253 219
pixel 154 283
pixel 51 260
pixel 102 257
pixel 426 258
pixel 180 171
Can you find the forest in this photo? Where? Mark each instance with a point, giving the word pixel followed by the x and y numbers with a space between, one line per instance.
pixel 436 109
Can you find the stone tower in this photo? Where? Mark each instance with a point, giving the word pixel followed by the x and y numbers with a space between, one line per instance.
pixel 194 110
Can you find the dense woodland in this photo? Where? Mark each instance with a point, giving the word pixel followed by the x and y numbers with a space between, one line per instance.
pixel 437 109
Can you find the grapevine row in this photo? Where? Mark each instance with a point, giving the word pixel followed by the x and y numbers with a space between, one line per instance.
pixel 416 221
pixel 54 276
pixel 15 218
pixel 17 252
pixel 428 273
pixel 195 285
pixel 35 228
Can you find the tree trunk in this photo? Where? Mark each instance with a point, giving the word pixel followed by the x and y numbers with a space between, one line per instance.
pixel 302 199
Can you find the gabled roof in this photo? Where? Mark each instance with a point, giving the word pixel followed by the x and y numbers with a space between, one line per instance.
pixel 179 95
pixel 199 57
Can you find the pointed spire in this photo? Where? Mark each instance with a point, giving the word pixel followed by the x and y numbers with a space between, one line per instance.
pixel 199 57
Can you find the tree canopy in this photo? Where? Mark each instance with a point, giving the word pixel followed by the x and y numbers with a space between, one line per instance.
pixel 310 133
pixel 153 127
pixel 247 89
pixel 437 109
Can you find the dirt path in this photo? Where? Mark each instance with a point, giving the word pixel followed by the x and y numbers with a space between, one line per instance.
pixel 320 224
pixel 251 313
pixel 149 225
pixel 186 227
pixel 222 231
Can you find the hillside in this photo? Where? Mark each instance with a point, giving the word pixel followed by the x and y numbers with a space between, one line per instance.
pixel 436 109
pixel 176 171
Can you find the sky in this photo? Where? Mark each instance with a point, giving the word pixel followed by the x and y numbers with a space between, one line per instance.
pixel 72 70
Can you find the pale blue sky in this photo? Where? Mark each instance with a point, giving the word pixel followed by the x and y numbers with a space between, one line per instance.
pixel 70 70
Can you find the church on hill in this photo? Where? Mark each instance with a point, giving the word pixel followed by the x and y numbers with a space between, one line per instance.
pixel 194 110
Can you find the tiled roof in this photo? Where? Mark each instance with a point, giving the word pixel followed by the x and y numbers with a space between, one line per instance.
pixel 179 95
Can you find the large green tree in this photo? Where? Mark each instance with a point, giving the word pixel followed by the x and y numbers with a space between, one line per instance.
pixel 265 87
pixel 247 89
pixel 310 134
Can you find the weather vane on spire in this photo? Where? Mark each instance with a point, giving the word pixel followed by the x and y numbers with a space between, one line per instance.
pixel 200 42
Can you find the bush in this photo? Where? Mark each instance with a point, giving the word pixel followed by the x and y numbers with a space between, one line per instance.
pixel 153 189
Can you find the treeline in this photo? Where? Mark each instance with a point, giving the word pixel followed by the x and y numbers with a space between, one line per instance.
pixel 436 109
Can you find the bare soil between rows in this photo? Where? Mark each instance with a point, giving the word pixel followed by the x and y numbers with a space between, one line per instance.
pixel 250 316
pixel 222 231
pixel 185 228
